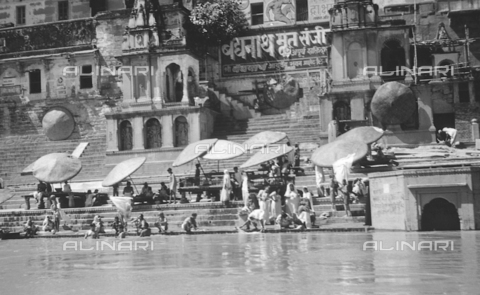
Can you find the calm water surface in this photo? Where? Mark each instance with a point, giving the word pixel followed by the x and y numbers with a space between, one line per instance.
pixel 298 263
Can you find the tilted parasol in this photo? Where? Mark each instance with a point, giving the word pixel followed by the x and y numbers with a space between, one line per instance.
pixel 267 154
pixel 328 154
pixel 56 167
pixel 366 134
pixel 263 139
pixel 194 151
pixel 123 170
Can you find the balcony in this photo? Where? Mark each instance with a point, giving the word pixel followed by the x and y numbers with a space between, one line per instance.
pixel 47 38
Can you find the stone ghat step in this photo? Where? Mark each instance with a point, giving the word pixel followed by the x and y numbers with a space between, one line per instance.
pixel 175 226
pixel 85 223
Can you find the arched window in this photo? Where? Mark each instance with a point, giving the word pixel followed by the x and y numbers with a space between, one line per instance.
pixel 181 131
pixel 354 60
pixel 393 58
pixel 174 83
pixel 153 134
pixel 126 136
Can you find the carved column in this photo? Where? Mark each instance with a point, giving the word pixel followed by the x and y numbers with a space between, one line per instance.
pixel 167 131
pixel 112 138
pixel 138 142
pixel 184 70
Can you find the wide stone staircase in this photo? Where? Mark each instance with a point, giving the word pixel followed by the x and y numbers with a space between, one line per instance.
pixel 15 157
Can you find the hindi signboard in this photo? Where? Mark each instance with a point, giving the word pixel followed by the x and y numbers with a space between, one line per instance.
pixel 318 10
pixel 10 90
pixel 273 52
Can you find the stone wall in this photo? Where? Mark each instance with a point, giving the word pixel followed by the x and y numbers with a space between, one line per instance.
pixel 464 113
pixel 398 198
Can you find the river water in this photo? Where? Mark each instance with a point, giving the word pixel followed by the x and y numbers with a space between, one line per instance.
pixel 290 263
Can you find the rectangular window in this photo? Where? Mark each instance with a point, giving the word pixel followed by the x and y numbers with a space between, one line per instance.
pixel 86 77
pixel 35 78
pixel 21 15
pixel 63 10
pixel 302 10
pixel 399 9
pixel 257 13
pixel 463 92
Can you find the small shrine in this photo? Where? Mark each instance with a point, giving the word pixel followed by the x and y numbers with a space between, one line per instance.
pixel 160 81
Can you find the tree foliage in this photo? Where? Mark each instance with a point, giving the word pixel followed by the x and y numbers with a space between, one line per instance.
pixel 219 21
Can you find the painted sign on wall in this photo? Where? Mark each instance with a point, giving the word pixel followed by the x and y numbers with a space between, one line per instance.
pixel 273 52
pixel 318 10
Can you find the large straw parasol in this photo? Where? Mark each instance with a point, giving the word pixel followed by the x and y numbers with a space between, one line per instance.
pixel 56 167
pixel 123 170
pixel 194 151
pixel 366 134
pixel 267 154
pixel 262 139
pixel 328 154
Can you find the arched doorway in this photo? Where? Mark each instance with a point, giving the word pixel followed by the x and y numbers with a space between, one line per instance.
pixel 174 83
pixel 354 60
pixel 392 58
pixel 181 131
pixel 440 214
pixel 125 133
pixel 153 134
pixel 341 111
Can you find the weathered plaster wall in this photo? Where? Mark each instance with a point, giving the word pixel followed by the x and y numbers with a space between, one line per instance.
pixel 109 35
pixel 38 11
pixel 398 198
pixel 387 199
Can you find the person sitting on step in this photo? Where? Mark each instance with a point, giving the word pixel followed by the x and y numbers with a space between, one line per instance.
pixel 48 224
pixel 143 229
pixel 30 228
pixel 190 223
pixel 118 227
pixel 284 221
pixel 162 223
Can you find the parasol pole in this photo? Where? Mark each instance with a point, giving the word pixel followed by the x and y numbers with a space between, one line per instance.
pixel 201 168
pixel 133 184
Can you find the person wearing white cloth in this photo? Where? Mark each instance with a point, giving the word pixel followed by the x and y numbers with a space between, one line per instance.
pixel 255 216
pixel 226 187
pixel 448 136
pixel 291 199
pixel 245 192
pixel 265 203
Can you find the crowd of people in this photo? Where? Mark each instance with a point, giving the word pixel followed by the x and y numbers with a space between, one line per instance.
pixel 45 198
pixel 269 206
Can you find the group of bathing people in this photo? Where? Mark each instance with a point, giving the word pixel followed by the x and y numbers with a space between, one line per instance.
pixel 266 208
pixel 143 228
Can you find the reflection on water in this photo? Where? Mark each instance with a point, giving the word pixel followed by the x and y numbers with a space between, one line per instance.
pixel 307 263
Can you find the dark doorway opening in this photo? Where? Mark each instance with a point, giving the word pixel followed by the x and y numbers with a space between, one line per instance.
pixel 440 214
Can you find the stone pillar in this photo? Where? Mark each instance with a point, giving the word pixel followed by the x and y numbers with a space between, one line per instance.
pixel 185 100
pixel 167 131
pixel 138 142
pixel 112 137
pixel 456 95
pixel 471 91
pixel 194 132
pixel 475 130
